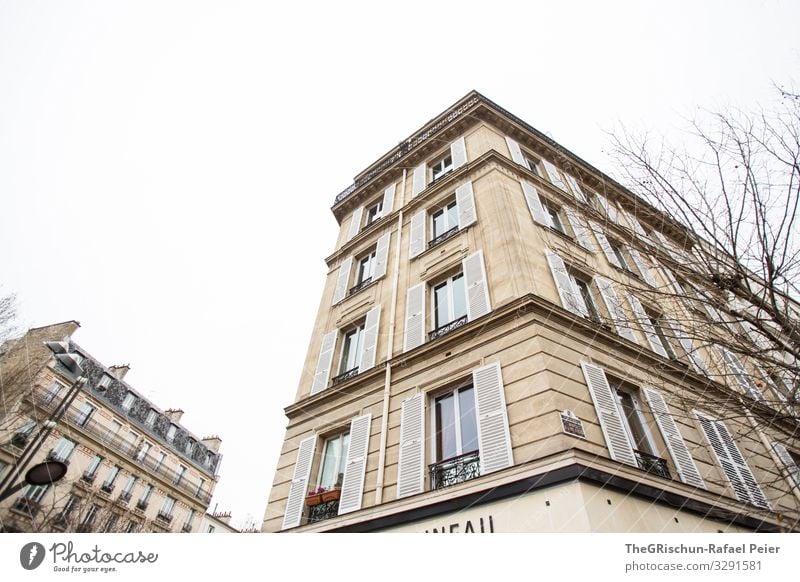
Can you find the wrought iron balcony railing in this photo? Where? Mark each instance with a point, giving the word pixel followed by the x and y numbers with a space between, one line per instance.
pixel 141 505
pixel 56 456
pixel 323 511
pixel 107 487
pixel 164 516
pixel 652 464
pixel 443 237
pixel 20 439
pixel 27 506
pixel 344 376
pixel 85 528
pixel 186 528
pixel 88 477
pixel 455 470
pixel 359 286
pixel 447 328
pixel 124 497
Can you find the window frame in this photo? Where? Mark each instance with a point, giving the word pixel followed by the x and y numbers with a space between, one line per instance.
pixel 588 298
pixel 451 204
pixel 344 354
pixel 448 282
pixel 340 463
pixel 370 217
pixel 445 168
pixel 82 416
pixel 632 393
pixel 436 445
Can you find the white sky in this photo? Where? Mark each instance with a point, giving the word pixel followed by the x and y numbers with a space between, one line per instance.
pixel 167 168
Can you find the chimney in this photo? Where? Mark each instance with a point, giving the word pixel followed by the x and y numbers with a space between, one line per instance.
pixel 119 371
pixel 174 414
pixel 223 516
pixel 212 443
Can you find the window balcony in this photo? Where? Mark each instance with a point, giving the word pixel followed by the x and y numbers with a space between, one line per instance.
pixel 344 376
pixel 56 456
pixel 455 470
pixel 358 287
pixel 107 487
pixel 164 516
pixel 447 328
pixel 652 464
pixel 20 439
pixel 443 237
pixel 88 478
pixel 141 505
pixel 124 497
pixel 324 505
pixel 85 528
pixel 27 506
pixel 187 528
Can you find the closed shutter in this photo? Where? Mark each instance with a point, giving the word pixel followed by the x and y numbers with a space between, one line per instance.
pixel 605 245
pixel 641 265
pixel 411 462
pixel 465 202
pixel 355 223
pixel 388 200
pixel 516 152
pixel 415 318
pixel 494 438
pixel 580 229
pixel 647 327
pixel 476 285
pixel 732 462
pixel 566 289
pixel 370 339
pixel 555 178
pixel 416 242
pixel 420 179
pixel 687 470
pixel 605 403
pixel 635 224
pixel 687 345
pixel 299 486
pixel 576 188
pixel 355 465
pixel 381 256
pixel 534 203
pixel 788 461
pixel 615 309
pixel 324 362
pixel 342 279
pixel 609 208
pixel 458 153
pixel 742 377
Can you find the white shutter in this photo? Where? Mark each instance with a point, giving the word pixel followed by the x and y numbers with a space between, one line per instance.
pixel 605 403
pixel 676 287
pixel 576 188
pixel 465 203
pixel 355 223
pixel 687 470
pixel 324 362
pixel 615 309
pixel 732 462
pixel 635 224
pixel 381 256
pixel 388 200
pixel 340 291
pixel 605 245
pixel 649 330
pixel 298 488
pixel 534 203
pixel 566 289
pixel 476 286
pixel 411 462
pixel 370 339
pixel 580 229
pixel 416 242
pixel 415 318
pixel 516 152
pixel 687 345
pixel 644 270
pixel 667 246
pixel 458 153
pixel 420 179
pixel 494 438
pixel 355 465
pixel 742 377
pixel 786 459
pixel 609 208
pixel 552 173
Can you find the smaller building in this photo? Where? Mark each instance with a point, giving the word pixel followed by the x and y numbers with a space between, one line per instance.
pixel 217 522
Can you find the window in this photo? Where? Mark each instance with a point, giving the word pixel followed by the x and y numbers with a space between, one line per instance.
pixel 53 391
pixel 146 492
pixel 130 398
pixel 441 167
pixel 113 430
pixel 91 470
pixel 160 460
pixel 112 477
pixel 455 431
pixel 374 212
pixel 144 448
pixel 188 447
pixel 90 516
pixel 166 508
pixel 334 454
pixel 111 523
pixel 351 350
pixel 554 218
pixel 585 296
pixel 211 529
pixel 83 415
pixel 130 485
pixel 35 493
pixel 200 486
pixel 72 503
pixel 444 221
pixel 533 164
pixel 152 415
pixel 180 474
pixel 449 302
pixel 104 383
pixel 620 262
pixel 632 419
pixel 171 432
pixel 62 450
pixel 364 272
pixel 659 326
pixel 133 527
pixel 189 519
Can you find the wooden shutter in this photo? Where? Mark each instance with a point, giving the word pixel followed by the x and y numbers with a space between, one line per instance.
pixel 324 362
pixel 609 208
pixel 552 173
pixel 576 188
pixel 641 265
pixel 355 465
pixel 411 462
pixel 370 339
pixel 415 317
pixel 516 152
pixel 494 438
pixel 566 289
pixel 458 153
pixel 742 377
pixel 647 327
pixel 381 256
pixel 355 223
pixel 687 470
pixel 476 285
pixel 534 203
pixel 342 279
pixel 687 345
pixel 465 203
pixel 388 200
pixel 605 245
pixel 615 309
pixel 788 461
pixel 732 462
pixel 416 242
pixel 580 229
pixel 420 179
pixel 298 488
pixel 605 403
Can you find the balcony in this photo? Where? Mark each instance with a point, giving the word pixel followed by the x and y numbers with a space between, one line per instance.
pixel 443 237
pixel 56 456
pixel 107 488
pixel 344 376
pixel 141 505
pixel 27 506
pixel 455 470
pixel 88 478
pixel 85 528
pixel 187 528
pixel 359 286
pixel 652 464
pixel 164 516
pixel 124 497
pixel 447 328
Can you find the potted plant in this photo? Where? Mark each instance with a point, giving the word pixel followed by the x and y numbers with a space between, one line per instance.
pixel 314 496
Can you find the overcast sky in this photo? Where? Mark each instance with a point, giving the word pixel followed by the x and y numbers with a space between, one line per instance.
pixel 167 168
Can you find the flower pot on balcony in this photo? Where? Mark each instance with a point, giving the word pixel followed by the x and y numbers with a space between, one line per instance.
pixel 312 500
pixel 331 495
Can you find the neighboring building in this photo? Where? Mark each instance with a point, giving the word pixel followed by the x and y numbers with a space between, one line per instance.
pixel 131 466
pixel 217 522
pixel 474 367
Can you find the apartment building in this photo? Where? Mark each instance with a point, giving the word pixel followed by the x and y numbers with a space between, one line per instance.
pixel 131 466
pixel 508 341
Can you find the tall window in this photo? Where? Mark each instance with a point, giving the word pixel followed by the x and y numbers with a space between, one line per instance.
pixel 35 492
pixel 146 492
pixel 555 219
pixel 374 212
pixel 455 426
pixel 189 519
pixel 130 484
pixel 53 391
pixel 90 516
pixel 633 420
pixel 151 417
pixel 449 301
pixel 91 470
pixel 366 268
pixel 585 295
pixel 83 415
pixel 168 506
pixel 331 471
pixel 63 449
pixel 200 486
pixel 144 448
pixel 444 220
pixel 171 432
pixel 441 167
pixel 113 430
pixel 351 350
pixel 160 460
pixel 619 255
pixel 533 163
pixel 112 477
pixel 659 327
pixel 180 474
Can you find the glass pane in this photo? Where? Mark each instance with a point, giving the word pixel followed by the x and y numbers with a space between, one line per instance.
pixel 445 428
pixel 459 297
pixel 343 459
pixel 330 462
pixel 438 223
pixel 634 422
pixel 452 216
pixel 441 306
pixel 469 426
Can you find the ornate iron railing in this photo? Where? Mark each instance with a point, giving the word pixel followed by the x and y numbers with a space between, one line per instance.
pixel 89 477
pixel 142 505
pixel 164 516
pixel 455 470
pixel 447 328
pixel 124 497
pixel 323 511
pixel 358 287
pixel 443 237
pixel 19 440
pixel 187 528
pixel 344 376
pixel 54 456
pixel 652 464
pixel 107 487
